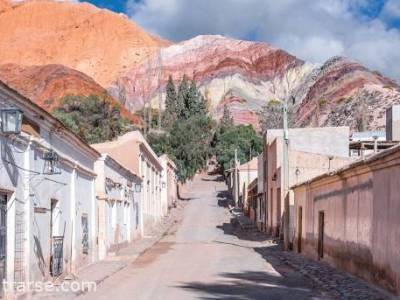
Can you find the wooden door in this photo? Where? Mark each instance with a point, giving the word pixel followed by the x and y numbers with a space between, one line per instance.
pixel 278 210
pixel 300 228
pixel 321 220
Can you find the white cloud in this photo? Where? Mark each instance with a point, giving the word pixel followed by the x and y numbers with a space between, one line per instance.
pixel 391 9
pixel 312 30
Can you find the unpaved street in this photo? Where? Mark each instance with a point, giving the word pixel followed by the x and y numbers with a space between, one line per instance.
pixel 200 259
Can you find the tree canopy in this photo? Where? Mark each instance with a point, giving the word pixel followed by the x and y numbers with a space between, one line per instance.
pixel 188 129
pixel 94 119
pixel 241 137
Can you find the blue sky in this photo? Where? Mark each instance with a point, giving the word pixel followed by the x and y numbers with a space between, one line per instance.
pixel 314 30
pixel 114 5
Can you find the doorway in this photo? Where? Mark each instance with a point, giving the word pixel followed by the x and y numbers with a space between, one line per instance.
pixel 321 225
pixel 300 228
pixel 279 212
pixel 3 239
pixel 56 240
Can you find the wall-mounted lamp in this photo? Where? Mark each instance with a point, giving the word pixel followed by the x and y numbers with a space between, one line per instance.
pixel 297 172
pixel 11 120
pixel 138 187
pixel 330 158
pixel 51 163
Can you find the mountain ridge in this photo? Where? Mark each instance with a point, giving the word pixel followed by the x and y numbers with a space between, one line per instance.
pixel 81 36
pixel 130 63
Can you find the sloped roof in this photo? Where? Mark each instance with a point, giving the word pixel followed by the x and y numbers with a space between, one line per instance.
pixel 126 149
pixel 358 163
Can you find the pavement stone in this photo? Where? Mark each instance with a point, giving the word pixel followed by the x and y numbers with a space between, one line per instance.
pixel 338 284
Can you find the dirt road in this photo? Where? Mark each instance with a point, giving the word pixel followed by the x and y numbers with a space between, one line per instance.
pixel 201 259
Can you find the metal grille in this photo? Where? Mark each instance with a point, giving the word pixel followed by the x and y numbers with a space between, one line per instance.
pixel 56 260
pixel 19 265
pixel 85 234
pixel 3 237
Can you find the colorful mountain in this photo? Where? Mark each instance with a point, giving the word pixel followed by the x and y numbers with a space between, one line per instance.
pixel 246 75
pixel 47 85
pixel 81 36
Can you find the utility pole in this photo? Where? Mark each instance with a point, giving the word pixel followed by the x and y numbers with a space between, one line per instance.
pixel 236 184
pixel 286 176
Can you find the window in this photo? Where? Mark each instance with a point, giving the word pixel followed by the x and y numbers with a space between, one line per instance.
pixel 85 234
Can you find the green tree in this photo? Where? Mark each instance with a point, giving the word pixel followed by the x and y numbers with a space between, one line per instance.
pixel 226 120
pixel 181 98
pixel 188 131
pixel 241 137
pixel 190 145
pixel 192 101
pixel 170 103
pixel 203 106
pixel 159 143
pixel 92 118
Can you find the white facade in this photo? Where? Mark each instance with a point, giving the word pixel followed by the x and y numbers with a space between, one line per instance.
pixel 169 194
pixel 150 171
pixel 135 154
pixel 119 205
pixel 45 212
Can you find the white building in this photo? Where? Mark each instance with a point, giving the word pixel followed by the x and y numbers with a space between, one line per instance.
pixel 119 205
pixel 169 194
pixel 48 205
pixel 135 154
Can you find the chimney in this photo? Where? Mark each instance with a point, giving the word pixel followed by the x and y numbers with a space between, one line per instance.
pixel 393 123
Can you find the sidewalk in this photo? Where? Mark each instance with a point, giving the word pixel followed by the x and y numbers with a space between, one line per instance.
pixel 337 283
pixel 101 270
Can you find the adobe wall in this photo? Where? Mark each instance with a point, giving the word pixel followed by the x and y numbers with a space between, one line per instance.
pixel 362 216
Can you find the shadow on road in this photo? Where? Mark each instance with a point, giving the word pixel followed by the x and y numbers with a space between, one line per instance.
pixel 252 285
pixel 250 235
pixel 218 179
pixel 187 198
pixel 224 199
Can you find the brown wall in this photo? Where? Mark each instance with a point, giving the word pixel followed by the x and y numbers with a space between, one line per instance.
pixel 361 208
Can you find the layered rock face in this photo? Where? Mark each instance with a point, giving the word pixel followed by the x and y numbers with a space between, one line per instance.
pixel 241 74
pixel 246 75
pixel 38 38
pixel 81 36
pixel 342 91
pixel 47 85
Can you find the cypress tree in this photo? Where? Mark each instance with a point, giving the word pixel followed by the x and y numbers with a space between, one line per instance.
pixel 183 92
pixel 170 103
pixel 192 101
pixel 203 105
pixel 226 120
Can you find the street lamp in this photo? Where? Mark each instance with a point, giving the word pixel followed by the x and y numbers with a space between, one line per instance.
pixel 138 187
pixel 50 166
pixel 11 120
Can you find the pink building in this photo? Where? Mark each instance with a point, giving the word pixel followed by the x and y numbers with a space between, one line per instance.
pixel 350 218
pixel 312 151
